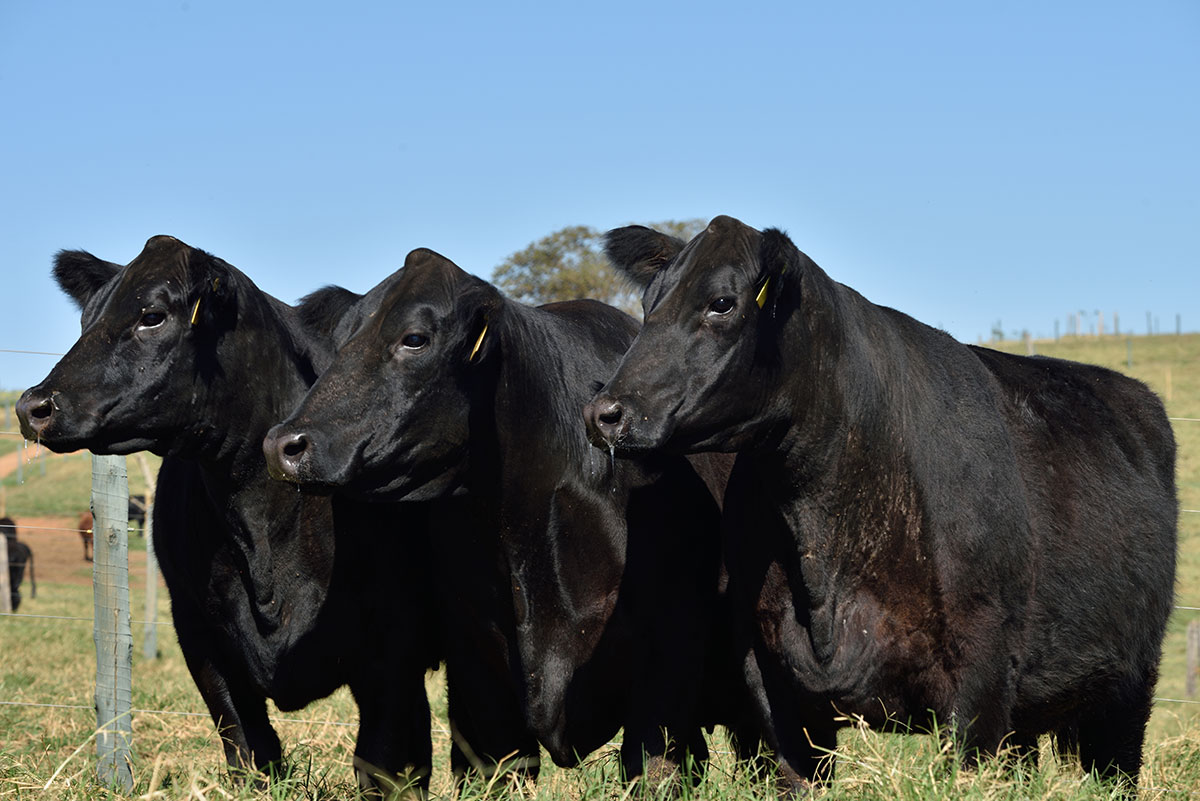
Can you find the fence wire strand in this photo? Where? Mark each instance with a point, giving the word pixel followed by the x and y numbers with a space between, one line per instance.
pixel 31 352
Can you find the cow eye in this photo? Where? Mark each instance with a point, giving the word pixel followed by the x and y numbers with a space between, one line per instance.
pixel 414 341
pixel 152 319
pixel 722 305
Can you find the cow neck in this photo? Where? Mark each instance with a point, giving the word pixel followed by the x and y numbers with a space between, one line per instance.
pixel 261 517
pixel 850 414
pixel 534 393
pixel 253 394
pixel 266 367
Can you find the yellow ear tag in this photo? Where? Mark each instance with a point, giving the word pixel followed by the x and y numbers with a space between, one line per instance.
pixel 196 311
pixel 478 342
pixel 216 281
pixel 762 293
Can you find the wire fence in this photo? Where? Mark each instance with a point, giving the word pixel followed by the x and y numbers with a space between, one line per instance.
pixel 154 622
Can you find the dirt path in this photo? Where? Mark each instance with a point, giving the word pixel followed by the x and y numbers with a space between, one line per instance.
pixel 56 542
pixel 26 453
pixel 58 551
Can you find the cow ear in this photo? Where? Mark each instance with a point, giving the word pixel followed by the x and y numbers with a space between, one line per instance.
pixel 640 252
pixel 782 263
pixel 214 296
pixel 81 275
pixel 483 306
pixel 322 310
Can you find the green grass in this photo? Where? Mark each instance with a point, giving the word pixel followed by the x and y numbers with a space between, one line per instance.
pixel 9 429
pixel 62 485
pixel 48 753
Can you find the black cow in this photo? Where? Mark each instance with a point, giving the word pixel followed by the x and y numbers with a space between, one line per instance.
pixel 137 513
pixel 19 555
pixel 594 581
pixel 915 529
pixel 274 594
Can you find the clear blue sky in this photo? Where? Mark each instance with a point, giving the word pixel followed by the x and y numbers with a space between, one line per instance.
pixel 963 162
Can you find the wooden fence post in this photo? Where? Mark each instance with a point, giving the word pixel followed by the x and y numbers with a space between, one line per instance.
pixel 5 589
pixel 111 630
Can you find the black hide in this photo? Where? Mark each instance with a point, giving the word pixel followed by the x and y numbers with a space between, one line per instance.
pixel 588 584
pixel 914 528
pixel 274 594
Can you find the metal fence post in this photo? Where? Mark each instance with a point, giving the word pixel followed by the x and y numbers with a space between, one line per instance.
pixel 114 640
pixel 150 631
pixel 5 589
pixel 150 638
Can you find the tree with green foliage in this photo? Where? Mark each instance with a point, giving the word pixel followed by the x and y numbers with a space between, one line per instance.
pixel 570 263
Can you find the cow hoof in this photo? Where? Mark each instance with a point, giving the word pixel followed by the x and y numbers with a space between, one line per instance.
pixel 662 777
pixel 379 783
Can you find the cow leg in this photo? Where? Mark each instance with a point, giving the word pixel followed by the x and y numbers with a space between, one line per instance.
pixel 393 756
pixel 1111 735
pixel 805 748
pixel 487 728
pixel 662 734
pixel 658 755
pixel 803 737
pixel 981 716
pixel 746 740
pixel 239 714
pixel 1022 751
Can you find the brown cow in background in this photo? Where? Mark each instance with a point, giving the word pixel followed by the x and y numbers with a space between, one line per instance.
pixel 85 533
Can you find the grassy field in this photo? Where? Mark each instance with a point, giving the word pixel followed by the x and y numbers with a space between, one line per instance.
pixel 47 752
pixel 8 423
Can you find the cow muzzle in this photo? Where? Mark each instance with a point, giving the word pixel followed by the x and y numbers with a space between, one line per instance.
pixel 607 421
pixel 36 411
pixel 288 454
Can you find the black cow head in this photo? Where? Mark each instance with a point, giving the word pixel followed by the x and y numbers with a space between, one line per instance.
pixel 150 330
pixel 390 418
pixel 701 372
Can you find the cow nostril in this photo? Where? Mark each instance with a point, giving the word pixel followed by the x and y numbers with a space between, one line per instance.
pixel 611 415
pixel 295 446
pixel 43 410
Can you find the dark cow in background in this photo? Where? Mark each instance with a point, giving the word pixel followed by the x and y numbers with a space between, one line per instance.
pixel 274 594
pixel 19 555
pixel 137 513
pixel 914 527
pixel 591 582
